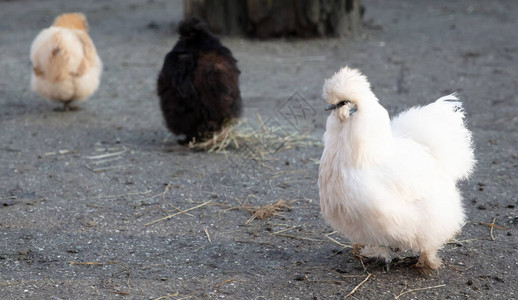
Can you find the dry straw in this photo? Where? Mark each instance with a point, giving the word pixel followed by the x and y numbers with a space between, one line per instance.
pixel 262 140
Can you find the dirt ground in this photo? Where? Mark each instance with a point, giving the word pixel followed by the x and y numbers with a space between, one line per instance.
pixel 78 190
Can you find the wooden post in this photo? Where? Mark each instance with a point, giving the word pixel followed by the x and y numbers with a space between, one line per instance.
pixel 277 18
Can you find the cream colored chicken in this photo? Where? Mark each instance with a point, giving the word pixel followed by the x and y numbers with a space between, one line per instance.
pixel 66 67
pixel 392 184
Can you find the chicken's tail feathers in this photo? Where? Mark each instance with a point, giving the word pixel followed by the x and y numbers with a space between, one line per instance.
pixel 440 126
pixel 454 102
pixel 52 53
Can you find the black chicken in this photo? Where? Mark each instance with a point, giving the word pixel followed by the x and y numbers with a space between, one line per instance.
pixel 198 85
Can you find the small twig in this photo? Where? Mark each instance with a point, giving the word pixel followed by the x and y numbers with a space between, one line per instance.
pixel 403 289
pixel 106 155
pixel 287 229
pixel 164 193
pixel 152 197
pixel 337 242
pixel 166 189
pixel 180 210
pixel 358 286
pixel 178 213
pixel 107 160
pixel 267 210
pixel 93 263
pixel 225 282
pixel 207 233
pixel 199 248
pixel 492 225
pixel 363 265
pixel 250 219
pixel 349 276
pixel 456 268
pixel 62 152
pixel 128 269
pixel 122 195
pixel 491 230
pixel 8 197
pixel 120 292
pixel 299 237
pixel 419 289
pixel 167 296
pixel 100 149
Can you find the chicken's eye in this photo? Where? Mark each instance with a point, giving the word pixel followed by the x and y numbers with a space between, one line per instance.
pixel 342 103
pixel 337 105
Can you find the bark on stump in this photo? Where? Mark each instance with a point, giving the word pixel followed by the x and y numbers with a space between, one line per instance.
pixel 277 18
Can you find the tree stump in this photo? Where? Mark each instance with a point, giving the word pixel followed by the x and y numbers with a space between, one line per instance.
pixel 279 18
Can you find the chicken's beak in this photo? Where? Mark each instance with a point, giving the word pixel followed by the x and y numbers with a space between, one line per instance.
pixel 337 105
pixel 331 107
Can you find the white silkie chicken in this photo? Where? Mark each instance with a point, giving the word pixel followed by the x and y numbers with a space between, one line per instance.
pixel 392 184
pixel 65 64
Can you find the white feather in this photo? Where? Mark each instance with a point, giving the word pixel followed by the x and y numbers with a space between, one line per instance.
pixel 393 183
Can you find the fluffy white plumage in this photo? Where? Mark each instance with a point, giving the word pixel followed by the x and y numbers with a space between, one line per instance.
pixel 392 184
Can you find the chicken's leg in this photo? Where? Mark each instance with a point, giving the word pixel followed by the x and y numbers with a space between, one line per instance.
pixel 67 106
pixel 429 259
pixel 380 252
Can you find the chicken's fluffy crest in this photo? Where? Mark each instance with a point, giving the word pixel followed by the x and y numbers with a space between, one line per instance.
pixel 347 83
pixel 72 21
